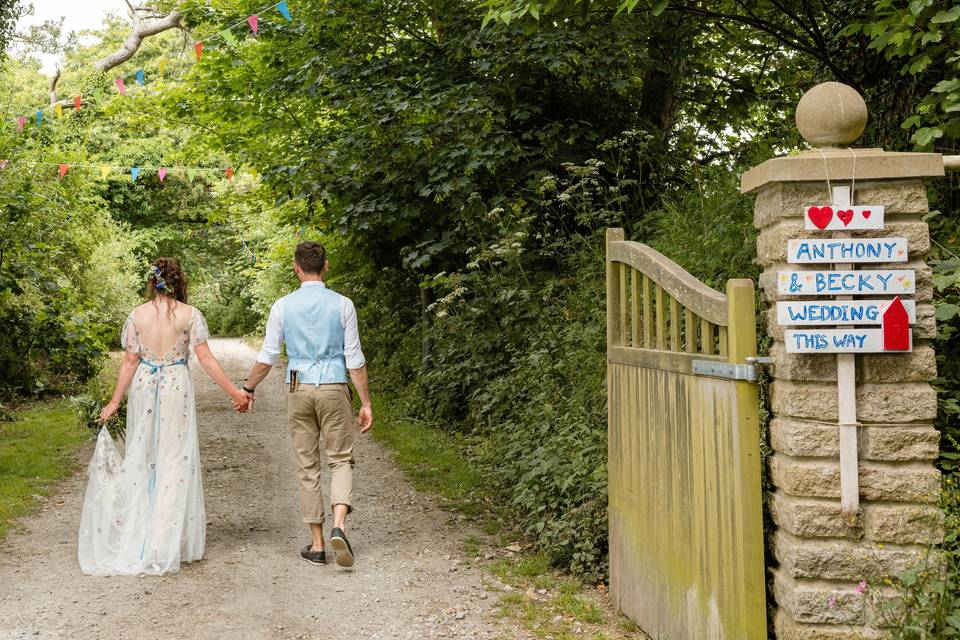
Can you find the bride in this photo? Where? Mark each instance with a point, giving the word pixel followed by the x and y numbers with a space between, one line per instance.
pixel 143 512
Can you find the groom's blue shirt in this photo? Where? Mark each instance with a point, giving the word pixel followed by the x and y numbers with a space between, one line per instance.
pixel 319 327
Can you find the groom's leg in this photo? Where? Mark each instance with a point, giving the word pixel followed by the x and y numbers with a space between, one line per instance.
pixel 305 436
pixel 335 414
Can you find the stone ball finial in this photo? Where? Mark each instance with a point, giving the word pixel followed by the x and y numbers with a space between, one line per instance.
pixel 831 114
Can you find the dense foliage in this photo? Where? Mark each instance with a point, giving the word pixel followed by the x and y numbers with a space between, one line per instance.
pixel 461 159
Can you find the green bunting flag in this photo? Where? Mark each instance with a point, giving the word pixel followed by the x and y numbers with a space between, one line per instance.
pixel 228 37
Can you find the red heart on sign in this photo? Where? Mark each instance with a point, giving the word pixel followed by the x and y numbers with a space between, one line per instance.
pixel 820 216
pixel 845 215
pixel 866 213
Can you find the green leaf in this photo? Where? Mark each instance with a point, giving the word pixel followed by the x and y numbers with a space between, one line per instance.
pixel 920 64
pixel 946 16
pixel 659 7
pixel 947 311
pixel 925 136
pixel 917 6
pixel 946 86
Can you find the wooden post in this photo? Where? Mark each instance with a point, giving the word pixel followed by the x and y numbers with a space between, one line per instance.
pixel 847 398
pixel 615 335
pixel 742 344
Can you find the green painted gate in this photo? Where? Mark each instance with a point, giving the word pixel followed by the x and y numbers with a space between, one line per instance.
pixel 686 531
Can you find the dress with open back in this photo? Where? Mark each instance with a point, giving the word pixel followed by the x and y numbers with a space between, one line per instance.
pixel 143 512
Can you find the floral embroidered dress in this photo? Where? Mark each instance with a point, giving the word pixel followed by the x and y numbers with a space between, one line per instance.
pixel 143 512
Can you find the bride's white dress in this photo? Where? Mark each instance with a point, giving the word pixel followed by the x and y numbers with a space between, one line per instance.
pixel 143 512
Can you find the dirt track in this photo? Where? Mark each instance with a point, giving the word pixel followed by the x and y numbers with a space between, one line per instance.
pixel 408 581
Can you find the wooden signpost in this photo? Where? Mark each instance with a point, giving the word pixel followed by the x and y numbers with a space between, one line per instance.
pixel 804 313
pixel 847 282
pixel 843 325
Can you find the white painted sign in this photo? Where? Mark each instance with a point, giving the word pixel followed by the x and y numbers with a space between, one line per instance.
pixel 853 218
pixel 805 313
pixel 836 341
pixel 847 250
pixel 840 283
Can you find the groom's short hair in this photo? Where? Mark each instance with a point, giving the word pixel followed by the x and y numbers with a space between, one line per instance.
pixel 311 256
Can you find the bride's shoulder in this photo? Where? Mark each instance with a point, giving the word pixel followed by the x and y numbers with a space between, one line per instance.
pixel 139 309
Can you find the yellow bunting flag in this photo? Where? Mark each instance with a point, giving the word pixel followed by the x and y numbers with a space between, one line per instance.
pixel 104 171
pixel 58 109
pixel 162 65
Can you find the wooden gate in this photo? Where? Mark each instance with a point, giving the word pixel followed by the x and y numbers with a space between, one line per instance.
pixel 686 530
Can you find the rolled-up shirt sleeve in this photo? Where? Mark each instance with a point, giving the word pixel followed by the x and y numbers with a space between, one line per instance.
pixel 351 336
pixel 273 340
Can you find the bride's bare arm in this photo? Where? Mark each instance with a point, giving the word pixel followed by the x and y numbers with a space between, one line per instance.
pixel 212 366
pixel 127 369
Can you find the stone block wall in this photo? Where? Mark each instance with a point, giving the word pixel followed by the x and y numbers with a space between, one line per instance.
pixel 822 555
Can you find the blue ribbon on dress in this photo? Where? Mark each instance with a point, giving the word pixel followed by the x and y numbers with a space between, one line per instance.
pixel 153 368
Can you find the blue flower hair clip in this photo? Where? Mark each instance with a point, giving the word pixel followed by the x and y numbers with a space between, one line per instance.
pixel 159 283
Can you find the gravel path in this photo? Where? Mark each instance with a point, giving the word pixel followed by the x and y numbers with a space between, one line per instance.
pixel 408 581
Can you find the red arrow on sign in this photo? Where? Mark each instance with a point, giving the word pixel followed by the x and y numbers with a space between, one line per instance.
pixel 896 327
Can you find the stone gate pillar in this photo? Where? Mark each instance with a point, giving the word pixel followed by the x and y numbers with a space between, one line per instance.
pixel 822 553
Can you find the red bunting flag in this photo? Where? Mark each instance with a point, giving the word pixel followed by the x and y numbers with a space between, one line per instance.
pixel 122 88
pixel 162 173
pixel 229 173
pixel 63 169
pixel 254 22
pixel 199 49
pixel 76 103
pixel 21 120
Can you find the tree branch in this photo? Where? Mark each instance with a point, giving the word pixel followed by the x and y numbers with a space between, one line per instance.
pixel 53 86
pixel 140 31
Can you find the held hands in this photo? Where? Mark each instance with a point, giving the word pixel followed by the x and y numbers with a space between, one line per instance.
pixel 242 401
pixel 365 418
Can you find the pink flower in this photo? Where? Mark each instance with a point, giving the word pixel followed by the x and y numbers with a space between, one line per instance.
pixel 832 602
pixel 860 588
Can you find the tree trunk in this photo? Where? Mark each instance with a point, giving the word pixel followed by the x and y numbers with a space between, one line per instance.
pixel 667 47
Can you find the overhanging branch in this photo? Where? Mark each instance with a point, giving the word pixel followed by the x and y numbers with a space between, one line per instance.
pixel 145 23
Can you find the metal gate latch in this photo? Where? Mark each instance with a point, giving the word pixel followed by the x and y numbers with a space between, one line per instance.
pixel 729 371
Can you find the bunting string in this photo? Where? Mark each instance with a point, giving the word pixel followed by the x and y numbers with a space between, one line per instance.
pixel 226 35
pixel 63 168
pixel 105 170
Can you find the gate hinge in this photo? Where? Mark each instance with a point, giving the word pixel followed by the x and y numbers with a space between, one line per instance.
pixel 746 371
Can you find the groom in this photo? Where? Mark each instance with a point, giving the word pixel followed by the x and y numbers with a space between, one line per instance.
pixel 319 328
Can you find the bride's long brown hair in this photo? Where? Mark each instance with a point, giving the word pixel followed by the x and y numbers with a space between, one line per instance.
pixel 166 281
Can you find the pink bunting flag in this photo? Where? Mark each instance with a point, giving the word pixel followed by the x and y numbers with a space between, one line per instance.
pixel 162 173
pixel 122 88
pixel 199 49
pixel 254 22
pixel 229 173
pixel 76 103
pixel 21 120
pixel 63 169
pixel 4 164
